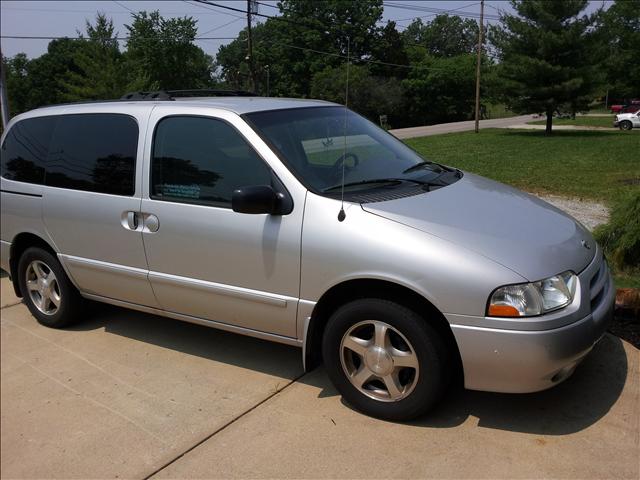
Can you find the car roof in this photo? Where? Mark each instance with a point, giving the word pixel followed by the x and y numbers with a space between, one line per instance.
pixel 239 105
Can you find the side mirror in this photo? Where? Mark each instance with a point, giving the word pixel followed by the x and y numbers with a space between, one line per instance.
pixel 256 199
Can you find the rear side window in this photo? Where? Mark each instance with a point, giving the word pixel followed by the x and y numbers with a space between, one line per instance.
pixel 94 152
pixel 202 160
pixel 24 151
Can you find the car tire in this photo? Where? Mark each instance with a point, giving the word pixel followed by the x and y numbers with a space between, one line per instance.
pixel 385 359
pixel 626 125
pixel 46 290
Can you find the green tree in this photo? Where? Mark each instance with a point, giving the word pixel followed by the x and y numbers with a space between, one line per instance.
pixel 161 54
pixel 291 45
pixel 549 54
pixel 389 48
pixel 100 72
pixel 440 89
pixel 621 29
pixel 233 65
pixel 46 75
pixel 444 36
pixel 368 95
pixel 16 73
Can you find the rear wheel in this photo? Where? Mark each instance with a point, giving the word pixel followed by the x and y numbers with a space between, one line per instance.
pixel 384 359
pixel 46 289
pixel 626 125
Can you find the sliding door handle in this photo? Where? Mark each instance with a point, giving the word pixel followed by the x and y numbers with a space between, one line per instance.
pixel 132 220
pixel 129 220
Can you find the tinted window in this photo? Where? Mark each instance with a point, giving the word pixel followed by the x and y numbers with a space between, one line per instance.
pixel 317 142
pixel 24 150
pixel 94 152
pixel 202 160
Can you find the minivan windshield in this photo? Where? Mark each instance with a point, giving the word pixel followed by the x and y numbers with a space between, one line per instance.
pixel 317 143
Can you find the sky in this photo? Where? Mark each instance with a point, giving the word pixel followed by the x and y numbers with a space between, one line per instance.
pixel 64 18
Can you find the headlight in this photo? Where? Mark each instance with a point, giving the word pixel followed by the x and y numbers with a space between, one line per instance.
pixel 528 299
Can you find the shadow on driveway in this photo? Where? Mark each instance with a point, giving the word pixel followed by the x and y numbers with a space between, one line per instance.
pixel 191 339
pixel 572 406
pixel 567 408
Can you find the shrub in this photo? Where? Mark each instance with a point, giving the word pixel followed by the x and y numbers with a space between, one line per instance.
pixel 620 238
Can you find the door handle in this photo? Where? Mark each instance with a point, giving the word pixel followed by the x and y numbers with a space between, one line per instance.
pixel 130 220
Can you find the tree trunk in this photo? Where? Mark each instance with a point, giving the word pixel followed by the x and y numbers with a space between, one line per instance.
pixel 549 121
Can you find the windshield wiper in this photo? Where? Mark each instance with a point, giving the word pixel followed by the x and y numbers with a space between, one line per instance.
pixel 376 180
pixel 424 164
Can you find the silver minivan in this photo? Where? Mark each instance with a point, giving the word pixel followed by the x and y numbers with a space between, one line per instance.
pixel 300 222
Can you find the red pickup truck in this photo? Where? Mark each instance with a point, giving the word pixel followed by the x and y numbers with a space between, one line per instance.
pixel 630 107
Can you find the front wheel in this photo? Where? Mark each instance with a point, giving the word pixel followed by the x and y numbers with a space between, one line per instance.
pixel 626 125
pixel 385 359
pixel 46 289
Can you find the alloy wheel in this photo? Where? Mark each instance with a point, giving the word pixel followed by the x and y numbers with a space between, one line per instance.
pixel 43 288
pixel 379 361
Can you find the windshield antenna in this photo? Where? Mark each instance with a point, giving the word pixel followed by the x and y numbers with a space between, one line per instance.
pixel 341 214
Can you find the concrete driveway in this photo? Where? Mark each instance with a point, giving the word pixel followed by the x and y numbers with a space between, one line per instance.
pixel 128 395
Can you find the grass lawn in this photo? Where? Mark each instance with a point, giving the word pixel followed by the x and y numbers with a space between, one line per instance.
pixel 596 165
pixel 599 108
pixel 599 121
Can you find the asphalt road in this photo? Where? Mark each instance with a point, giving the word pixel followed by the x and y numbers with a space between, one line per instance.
pixel 130 395
pixel 459 126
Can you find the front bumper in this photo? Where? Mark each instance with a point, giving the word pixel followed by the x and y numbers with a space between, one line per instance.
pixel 522 361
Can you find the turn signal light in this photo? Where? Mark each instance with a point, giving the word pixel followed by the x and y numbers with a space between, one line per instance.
pixel 503 311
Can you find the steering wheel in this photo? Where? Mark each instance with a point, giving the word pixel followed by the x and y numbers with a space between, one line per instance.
pixel 340 162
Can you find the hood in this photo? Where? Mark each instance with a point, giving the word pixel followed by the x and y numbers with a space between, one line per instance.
pixel 513 228
pixel 625 116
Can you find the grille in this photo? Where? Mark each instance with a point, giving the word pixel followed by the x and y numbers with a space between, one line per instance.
pixel 598 284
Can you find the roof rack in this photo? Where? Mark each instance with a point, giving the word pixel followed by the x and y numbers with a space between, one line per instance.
pixel 170 95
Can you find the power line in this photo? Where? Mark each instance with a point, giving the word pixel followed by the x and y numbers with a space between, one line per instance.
pixel 272 17
pixel 33 37
pixel 444 12
pixel 61 10
pixel 500 11
pixel 226 7
pixel 197 3
pixel 268 5
pixel 361 60
pixel 221 26
pixel 123 6
pixel 416 8
pixel 113 12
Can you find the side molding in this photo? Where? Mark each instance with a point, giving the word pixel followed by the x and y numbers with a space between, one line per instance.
pixel 199 321
pixel 222 289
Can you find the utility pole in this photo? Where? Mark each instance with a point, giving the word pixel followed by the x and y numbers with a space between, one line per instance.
pixel 4 101
pixel 251 4
pixel 268 88
pixel 479 61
